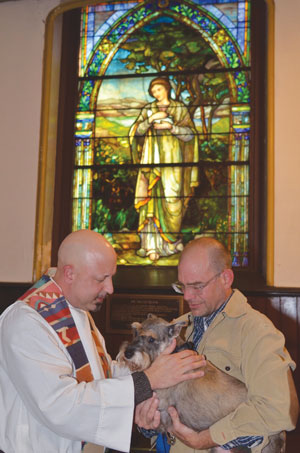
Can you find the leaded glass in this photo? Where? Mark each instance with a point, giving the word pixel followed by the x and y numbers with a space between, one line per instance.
pixel 162 136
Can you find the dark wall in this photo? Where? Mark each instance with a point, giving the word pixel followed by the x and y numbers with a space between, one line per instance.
pixel 282 306
pixel 9 292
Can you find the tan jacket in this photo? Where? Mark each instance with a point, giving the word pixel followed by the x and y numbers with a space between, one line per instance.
pixel 245 344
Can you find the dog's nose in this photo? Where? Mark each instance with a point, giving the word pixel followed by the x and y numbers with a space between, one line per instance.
pixel 129 353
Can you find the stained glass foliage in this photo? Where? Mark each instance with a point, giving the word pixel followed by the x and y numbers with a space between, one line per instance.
pixel 162 130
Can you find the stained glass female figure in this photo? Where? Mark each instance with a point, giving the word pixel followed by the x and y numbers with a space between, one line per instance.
pixel 164 135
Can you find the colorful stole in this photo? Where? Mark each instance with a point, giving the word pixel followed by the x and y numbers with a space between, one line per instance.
pixel 46 298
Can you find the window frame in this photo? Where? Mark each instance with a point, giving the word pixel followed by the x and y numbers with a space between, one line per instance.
pixel 153 278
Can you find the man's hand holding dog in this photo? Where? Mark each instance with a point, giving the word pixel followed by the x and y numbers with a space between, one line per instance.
pixel 167 370
pixel 170 369
pixel 147 414
pixel 192 439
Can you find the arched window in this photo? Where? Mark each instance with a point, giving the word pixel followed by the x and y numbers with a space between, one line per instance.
pixel 162 129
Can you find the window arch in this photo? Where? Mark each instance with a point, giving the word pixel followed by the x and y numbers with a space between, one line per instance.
pixel 221 31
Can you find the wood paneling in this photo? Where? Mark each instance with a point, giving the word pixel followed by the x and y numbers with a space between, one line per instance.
pixel 282 307
pixel 9 292
pixel 284 312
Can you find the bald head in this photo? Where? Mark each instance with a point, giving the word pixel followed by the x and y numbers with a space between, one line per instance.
pixel 83 246
pixel 85 267
pixel 216 256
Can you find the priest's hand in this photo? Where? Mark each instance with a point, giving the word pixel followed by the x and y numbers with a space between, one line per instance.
pixel 170 369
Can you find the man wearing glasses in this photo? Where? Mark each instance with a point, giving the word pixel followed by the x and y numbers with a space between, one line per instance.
pixel 241 342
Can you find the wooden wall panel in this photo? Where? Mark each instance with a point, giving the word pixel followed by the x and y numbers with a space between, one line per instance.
pixel 282 308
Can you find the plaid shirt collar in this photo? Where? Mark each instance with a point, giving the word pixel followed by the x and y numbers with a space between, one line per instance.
pixel 201 323
pixel 209 319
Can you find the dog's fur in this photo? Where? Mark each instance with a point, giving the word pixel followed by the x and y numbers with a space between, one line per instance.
pixel 199 402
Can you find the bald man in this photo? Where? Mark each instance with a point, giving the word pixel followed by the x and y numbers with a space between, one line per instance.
pixel 241 342
pixel 58 386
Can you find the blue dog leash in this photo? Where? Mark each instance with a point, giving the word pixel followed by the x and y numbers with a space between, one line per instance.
pixel 162 444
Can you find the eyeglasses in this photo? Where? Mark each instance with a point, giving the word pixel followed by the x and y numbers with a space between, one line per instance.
pixel 180 287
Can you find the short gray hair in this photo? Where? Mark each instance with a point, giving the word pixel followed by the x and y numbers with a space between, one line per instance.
pixel 219 255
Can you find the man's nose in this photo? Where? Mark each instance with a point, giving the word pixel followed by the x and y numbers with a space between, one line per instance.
pixel 109 287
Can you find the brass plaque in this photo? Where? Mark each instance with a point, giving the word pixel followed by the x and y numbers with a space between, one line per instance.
pixel 124 309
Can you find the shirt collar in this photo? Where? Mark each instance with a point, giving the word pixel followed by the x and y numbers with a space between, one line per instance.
pixel 237 305
pixel 207 320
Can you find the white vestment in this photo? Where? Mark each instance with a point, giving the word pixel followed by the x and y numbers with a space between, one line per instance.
pixel 43 409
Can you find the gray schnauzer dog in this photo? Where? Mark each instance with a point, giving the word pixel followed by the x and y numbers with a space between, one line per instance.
pixel 199 402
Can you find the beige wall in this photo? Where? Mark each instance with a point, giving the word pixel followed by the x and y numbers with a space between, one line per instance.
pixel 22 28
pixel 287 144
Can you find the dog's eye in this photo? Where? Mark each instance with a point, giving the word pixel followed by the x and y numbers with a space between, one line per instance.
pixel 151 340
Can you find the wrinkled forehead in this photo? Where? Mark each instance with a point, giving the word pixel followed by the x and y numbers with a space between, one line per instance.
pixel 104 259
pixel 195 266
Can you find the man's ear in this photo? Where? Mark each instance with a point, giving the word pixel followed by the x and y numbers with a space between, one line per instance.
pixel 228 276
pixel 68 273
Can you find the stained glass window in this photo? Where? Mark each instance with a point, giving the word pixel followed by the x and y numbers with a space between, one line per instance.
pixel 162 136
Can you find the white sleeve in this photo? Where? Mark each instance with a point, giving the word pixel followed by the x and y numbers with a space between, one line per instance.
pixel 42 372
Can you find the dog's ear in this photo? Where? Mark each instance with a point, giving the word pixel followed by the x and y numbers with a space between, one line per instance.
pixel 151 316
pixel 174 329
pixel 136 326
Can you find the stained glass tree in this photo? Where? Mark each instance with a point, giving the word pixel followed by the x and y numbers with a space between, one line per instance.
pixel 203 49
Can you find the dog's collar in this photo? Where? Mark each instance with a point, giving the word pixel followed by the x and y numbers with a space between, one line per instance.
pixel 186 345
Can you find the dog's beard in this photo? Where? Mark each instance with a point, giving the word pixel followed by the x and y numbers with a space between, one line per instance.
pixel 139 361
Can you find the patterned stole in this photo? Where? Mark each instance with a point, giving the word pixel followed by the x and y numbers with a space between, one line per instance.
pixel 99 347
pixel 46 298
